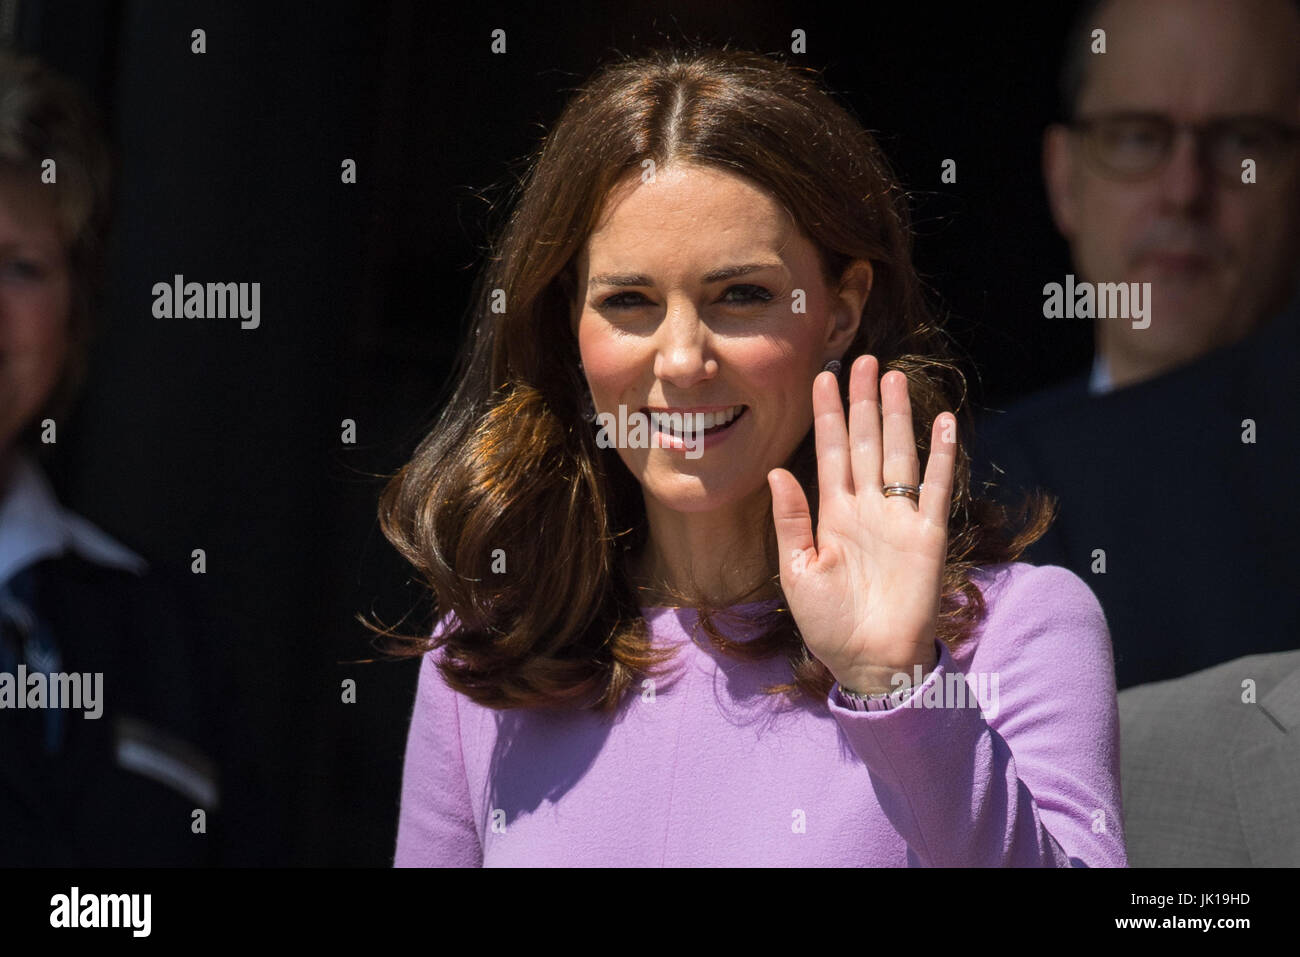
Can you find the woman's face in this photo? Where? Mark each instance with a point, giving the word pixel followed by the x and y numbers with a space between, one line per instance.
pixel 35 298
pixel 657 331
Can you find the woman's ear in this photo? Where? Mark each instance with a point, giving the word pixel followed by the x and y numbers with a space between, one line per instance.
pixel 847 303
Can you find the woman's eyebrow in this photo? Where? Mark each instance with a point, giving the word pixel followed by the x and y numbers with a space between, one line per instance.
pixel 716 275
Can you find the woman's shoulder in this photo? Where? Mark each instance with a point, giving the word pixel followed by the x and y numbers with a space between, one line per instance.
pixel 432 686
pixel 1021 581
pixel 1039 611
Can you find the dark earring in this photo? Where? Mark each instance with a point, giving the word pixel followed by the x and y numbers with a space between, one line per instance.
pixel 833 367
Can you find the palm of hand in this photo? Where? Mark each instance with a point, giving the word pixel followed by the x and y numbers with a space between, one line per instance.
pixel 865 593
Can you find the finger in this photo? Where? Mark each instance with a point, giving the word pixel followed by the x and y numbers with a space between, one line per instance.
pixel 900 463
pixel 794 532
pixel 864 423
pixel 834 473
pixel 936 493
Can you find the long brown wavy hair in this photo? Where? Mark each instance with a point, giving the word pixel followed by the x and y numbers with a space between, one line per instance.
pixel 519 523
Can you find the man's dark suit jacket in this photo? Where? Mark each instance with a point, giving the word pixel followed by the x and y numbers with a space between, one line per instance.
pixel 116 795
pixel 1200 530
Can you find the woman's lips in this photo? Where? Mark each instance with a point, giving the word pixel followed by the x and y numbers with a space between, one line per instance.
pixel 690 418
pixel 706 439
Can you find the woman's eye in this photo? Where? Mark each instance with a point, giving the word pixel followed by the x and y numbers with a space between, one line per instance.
pixel 613 301
pixel 20 269
pixel 754 294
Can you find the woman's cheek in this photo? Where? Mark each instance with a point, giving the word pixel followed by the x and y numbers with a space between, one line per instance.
pixel 610 366
pixel 778 370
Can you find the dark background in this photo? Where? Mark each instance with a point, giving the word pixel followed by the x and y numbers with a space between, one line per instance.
pixel 195 433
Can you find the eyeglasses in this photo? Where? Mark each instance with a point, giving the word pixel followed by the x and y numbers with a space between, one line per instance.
pixel 1132 146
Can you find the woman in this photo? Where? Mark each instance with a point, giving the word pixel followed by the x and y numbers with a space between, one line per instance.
pixel 665 652
pixel 145 733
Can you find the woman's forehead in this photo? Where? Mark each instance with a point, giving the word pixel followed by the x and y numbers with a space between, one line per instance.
pixel 26 214
pixel 713 216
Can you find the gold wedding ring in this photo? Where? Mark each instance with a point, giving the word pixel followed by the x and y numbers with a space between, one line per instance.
pixel 901 488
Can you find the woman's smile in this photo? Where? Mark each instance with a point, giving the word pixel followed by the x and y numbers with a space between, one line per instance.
pixel 678 424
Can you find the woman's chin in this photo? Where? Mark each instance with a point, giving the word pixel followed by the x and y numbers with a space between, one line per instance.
pixel 700 493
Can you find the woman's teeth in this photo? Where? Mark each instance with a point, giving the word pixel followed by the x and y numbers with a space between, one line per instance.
pixel 677 423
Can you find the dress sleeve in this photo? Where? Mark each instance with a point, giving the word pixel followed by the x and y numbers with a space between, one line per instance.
pixel 1027 772
pixel 435 826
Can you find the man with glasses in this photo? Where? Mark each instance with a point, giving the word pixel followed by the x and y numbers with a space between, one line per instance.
pixel 1178 166
pixel 1172 459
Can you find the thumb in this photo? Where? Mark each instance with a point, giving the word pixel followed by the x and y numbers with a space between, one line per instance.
pixel 795 545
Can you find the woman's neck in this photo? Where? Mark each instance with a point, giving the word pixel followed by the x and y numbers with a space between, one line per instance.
pixel 654 584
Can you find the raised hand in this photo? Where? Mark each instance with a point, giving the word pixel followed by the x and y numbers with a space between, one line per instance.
pixel 865 593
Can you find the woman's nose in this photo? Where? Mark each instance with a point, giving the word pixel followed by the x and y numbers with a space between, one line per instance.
pixel 682 352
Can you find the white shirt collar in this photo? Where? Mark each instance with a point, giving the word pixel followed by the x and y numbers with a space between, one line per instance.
pixel 34 526
pixel 1099 380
